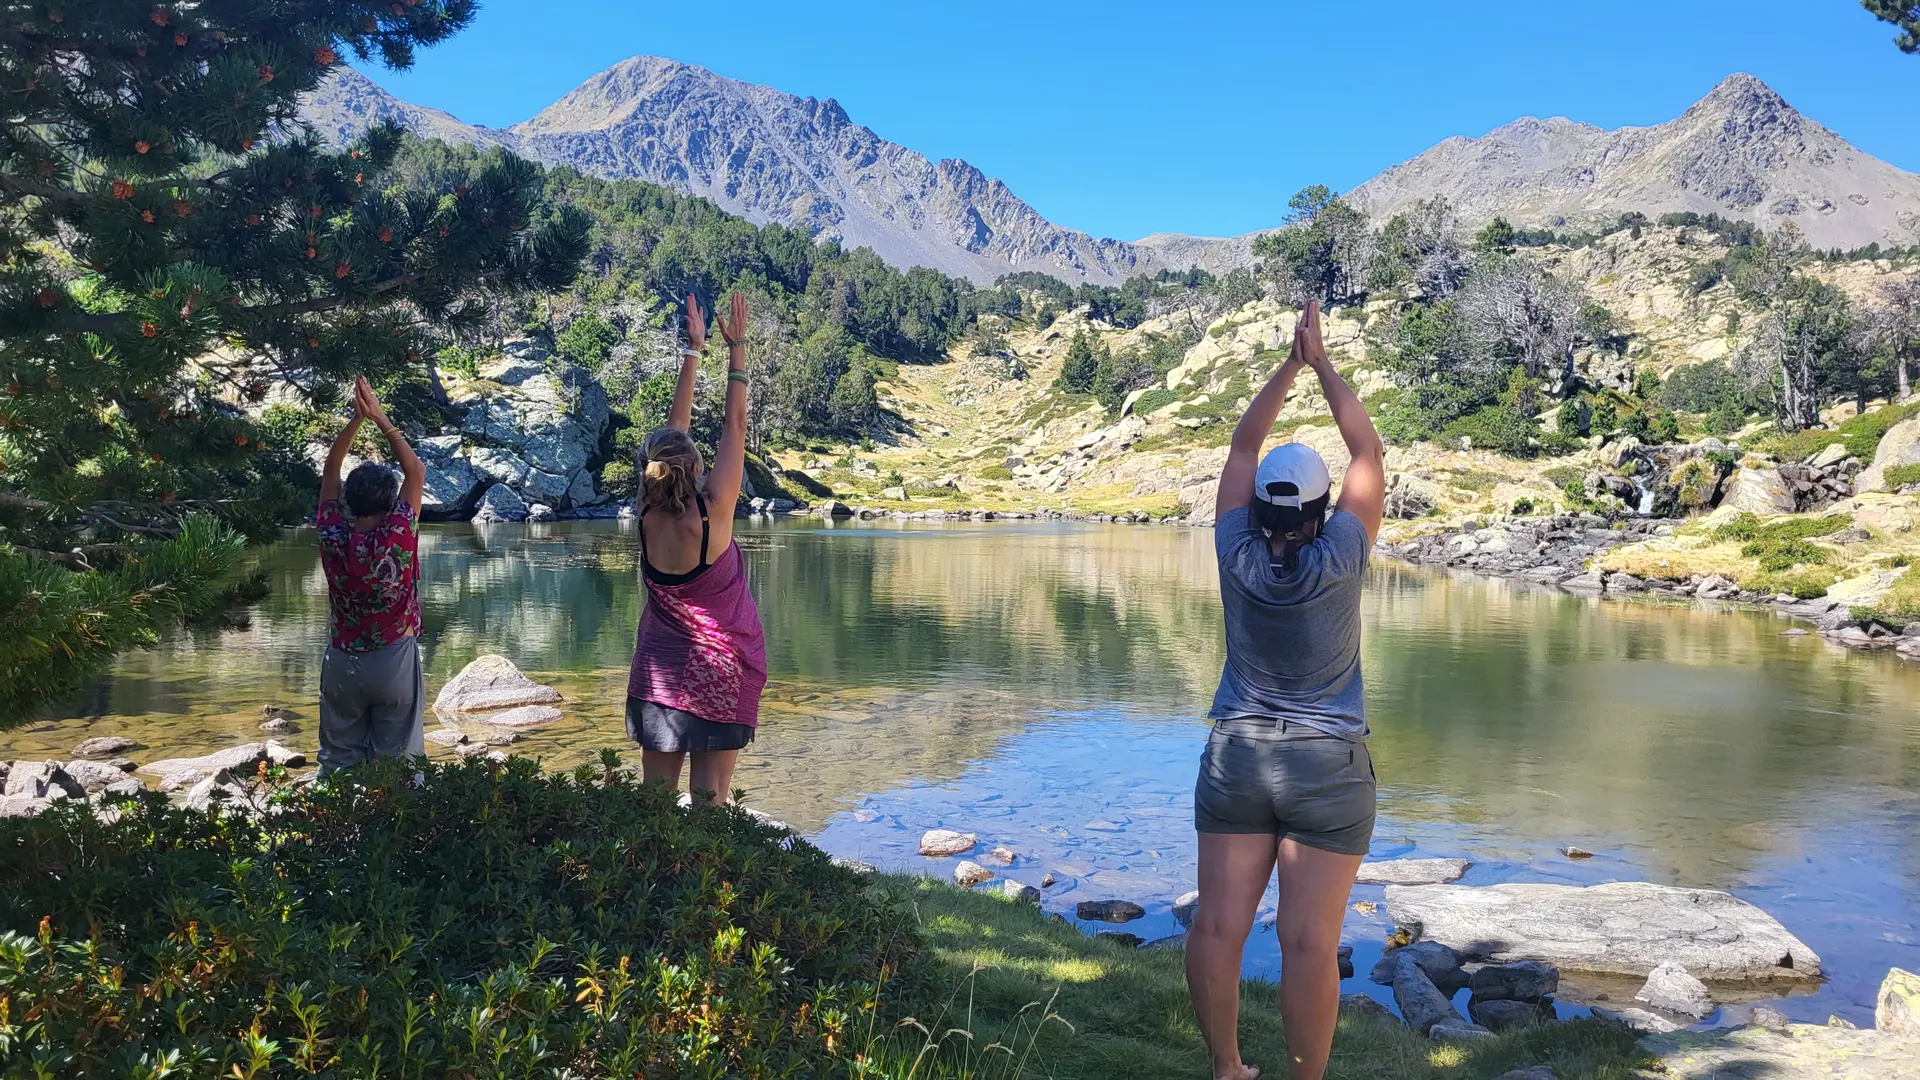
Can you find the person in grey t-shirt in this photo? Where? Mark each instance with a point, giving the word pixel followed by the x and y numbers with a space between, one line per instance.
pixel 1286 780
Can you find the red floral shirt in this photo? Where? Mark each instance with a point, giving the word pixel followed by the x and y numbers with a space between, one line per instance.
pixel 372 586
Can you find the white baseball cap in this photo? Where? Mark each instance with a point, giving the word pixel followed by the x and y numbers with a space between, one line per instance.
pixel 1291 475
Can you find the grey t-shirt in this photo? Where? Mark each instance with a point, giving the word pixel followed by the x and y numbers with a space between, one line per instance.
pixel 1293 642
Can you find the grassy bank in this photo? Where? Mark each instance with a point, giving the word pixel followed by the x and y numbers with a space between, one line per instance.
pixel 1042 1000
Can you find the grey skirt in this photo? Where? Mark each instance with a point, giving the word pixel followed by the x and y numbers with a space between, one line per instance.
pixel 673 731
pixel 372 705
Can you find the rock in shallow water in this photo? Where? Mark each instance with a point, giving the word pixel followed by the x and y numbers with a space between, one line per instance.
pixel 95 775
pixel 105 746
pixel 524 716
pixel 968 874
pixel 492 684
pixel 1420 1001
pixel 1670 989
pixel 1113 911
pixel 1185 907
pixel 1440 963
pixel 941 843
pixel 1019 890
pixel 1527 980
pixel 1623 928
pixel 1412 871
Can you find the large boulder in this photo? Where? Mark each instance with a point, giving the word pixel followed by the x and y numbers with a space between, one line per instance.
pixel 528 425
pixel 94 776
pixel 1897 1010
pixel 492 684
pixel 1798 1050
pixel 500 503
pixel 1526 980
pixel 42 780
pixel 1623 928
pixel 1899 446
pixel 1758 490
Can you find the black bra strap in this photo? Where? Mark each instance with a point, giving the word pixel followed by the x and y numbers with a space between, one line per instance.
pixel 705 529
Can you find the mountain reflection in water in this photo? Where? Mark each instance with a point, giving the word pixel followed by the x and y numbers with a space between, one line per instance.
pixel 1044 684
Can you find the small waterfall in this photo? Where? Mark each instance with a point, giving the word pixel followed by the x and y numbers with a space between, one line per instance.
pixel 1645 509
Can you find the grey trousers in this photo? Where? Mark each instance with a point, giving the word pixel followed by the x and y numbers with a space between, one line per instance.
pixel 371 705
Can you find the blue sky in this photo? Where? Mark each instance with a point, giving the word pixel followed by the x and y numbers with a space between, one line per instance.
pixel 1125 118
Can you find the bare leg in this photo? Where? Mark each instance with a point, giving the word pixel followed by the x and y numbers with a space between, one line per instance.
pixel 657 767
pixel 713 773
pixel 1314 886
pixel 1234 870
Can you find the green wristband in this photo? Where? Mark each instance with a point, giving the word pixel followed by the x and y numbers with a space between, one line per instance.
pixel 737 376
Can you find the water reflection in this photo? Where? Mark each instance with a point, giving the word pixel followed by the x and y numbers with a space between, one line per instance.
pixel 1031 680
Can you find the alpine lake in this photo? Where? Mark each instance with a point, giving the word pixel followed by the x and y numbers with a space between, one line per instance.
pixel 1045 685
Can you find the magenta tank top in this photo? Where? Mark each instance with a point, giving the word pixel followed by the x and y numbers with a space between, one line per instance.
pixel 700 648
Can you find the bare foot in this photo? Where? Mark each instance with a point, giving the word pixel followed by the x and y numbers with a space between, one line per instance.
pixel 1244 1072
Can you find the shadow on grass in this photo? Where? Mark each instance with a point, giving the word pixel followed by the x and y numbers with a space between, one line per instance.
pixel 1029 997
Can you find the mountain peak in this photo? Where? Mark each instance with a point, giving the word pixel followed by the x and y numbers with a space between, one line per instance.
pixel 1741 94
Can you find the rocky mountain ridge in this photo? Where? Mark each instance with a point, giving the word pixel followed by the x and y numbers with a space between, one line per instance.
pixel 1742 151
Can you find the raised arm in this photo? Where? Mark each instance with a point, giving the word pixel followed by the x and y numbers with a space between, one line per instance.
pixel 1243 455
pixel 337 453
pixel 1363 492
pixel 413 474
pixel 730 457
pixel 680 417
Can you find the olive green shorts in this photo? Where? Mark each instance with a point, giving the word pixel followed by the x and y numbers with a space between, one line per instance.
pixel 1259 775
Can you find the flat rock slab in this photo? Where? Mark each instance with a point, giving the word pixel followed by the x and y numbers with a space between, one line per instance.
pixel 1412 872
pixel 1753 1053
pixel 524 716
pixel 185 772
pixel 1623 928
pixel 491 684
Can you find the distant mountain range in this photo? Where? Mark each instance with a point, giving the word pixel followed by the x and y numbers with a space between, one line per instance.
pixel 1741 151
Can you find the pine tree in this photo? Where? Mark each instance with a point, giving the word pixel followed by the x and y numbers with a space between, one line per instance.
pixel 1077 370
pixel 1904 14
pixel 174 247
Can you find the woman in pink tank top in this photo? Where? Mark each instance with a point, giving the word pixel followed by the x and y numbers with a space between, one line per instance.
pixel 700 661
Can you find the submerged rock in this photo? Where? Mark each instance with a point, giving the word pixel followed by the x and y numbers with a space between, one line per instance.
pixel 1412 871
pixel 105 746
pixel 1623 928
pixel 1002 856
pixel 1113 911
pixel 492 684
pixel 524 716
pixel 1670 989
pixel 943 843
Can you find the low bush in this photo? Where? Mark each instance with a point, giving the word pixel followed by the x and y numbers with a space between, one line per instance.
pixel 1861 435
pixel 1899 606
pixel 995 472
pixel 1154 400
pixel 1777 555
pixel 1799 584
pixel 1745 527
pixel 1900 476
pixel 489 921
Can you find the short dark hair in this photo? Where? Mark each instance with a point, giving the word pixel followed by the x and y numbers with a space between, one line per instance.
pixel 371 490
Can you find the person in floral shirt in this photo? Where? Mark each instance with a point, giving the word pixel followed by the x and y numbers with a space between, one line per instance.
pixel 372 690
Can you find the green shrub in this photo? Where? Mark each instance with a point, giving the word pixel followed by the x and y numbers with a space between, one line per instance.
pixel 995 472
pixel 1750 527
pixel 487 921
pixel 618 477
pixel 1900 476
pixel 1497 427
pixel 1154 400
pixel 1800 584
pixel 1775 555
pixel 1860 435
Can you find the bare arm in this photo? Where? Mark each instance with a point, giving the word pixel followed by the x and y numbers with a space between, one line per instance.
pixel 1363 492
pixel 413 474
pixel 680 417
pixel 337 453
pixel 1243 456
pixel 730 457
